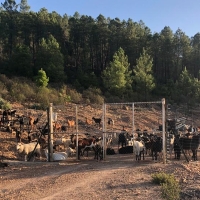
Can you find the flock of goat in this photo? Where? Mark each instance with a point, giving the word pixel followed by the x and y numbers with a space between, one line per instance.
pixel 152 144
pixel 31 140
pixel 142 145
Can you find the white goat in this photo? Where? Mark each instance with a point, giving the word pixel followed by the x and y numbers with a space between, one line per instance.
pixel 29 148
pixel 138 148
pixel 57 156
pixel 71 151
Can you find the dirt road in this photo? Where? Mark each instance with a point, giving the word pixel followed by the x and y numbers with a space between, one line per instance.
pixel 118 177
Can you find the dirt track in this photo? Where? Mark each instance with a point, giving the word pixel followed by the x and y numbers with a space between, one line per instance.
pixel 118 177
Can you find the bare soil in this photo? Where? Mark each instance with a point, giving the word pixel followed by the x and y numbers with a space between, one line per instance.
pixel 118 177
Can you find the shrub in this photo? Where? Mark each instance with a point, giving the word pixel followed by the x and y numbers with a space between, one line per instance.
pixel 93 95
pixel 170 187
pixel 42 97
pixel 4 104
pixel 74 96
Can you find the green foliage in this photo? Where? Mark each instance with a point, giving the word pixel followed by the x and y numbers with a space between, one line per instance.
pixel 42 97
pixel 169 185
pixel 75 96
pixel 187 88
pixel 24 7
pixel 86 79
pixel 10 5
pixel 21 91
pixel 21 62
pixel 116 77
pixel 51 59
pixel 62 45
pixel 41 79
pixel 143 75
pixel 63 94
pixel 4 104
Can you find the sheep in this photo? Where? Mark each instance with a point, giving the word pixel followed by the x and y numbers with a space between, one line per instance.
pixel 27 149
pixel 57 156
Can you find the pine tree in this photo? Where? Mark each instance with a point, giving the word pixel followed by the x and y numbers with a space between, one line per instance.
pixel 24 7
pixel 143 78
pixel 41 79
pixel 116 77
pixel 187 88
pixel 10 5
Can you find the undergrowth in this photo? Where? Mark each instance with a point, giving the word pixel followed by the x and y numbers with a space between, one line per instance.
pixel 169 186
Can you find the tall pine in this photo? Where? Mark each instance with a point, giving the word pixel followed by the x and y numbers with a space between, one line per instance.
pixel 143 75
pixel 117 76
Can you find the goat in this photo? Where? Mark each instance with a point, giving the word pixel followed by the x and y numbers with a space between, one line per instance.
pixel 186 144
pixel 82 143
pixel 33 122
pixel 88 121
pixel 56 126
pixel 171 144
pixel 156 147
pixel 109 141
pixel 63 128
pixel 89 145
pixel 110 122
pixel 70 151
pixel 122 139
pixel 98 149
pixel 63 141
pixel 27 149
pixel 6 114
pixel 33 137
pixel 97 121
pixel 18 135
pixel 138 149
pixel 23 121
pixel 70 123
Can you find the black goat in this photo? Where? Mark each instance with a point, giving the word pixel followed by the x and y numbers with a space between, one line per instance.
pixel 110 122
pixel 6 113
pixel 97 120
pixel 156 147
pixel 18 135
pixel 122 139
pixel 186 144
pixel 98 149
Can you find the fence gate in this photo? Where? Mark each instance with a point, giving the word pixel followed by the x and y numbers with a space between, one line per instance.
pixel 61 115
pixel 134 118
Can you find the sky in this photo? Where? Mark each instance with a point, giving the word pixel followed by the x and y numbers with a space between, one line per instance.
pixel 156 14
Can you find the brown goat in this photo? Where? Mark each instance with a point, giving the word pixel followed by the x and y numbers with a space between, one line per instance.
pixel 32 122
pixel 70 123
pixel 56 126
pixel 88 121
